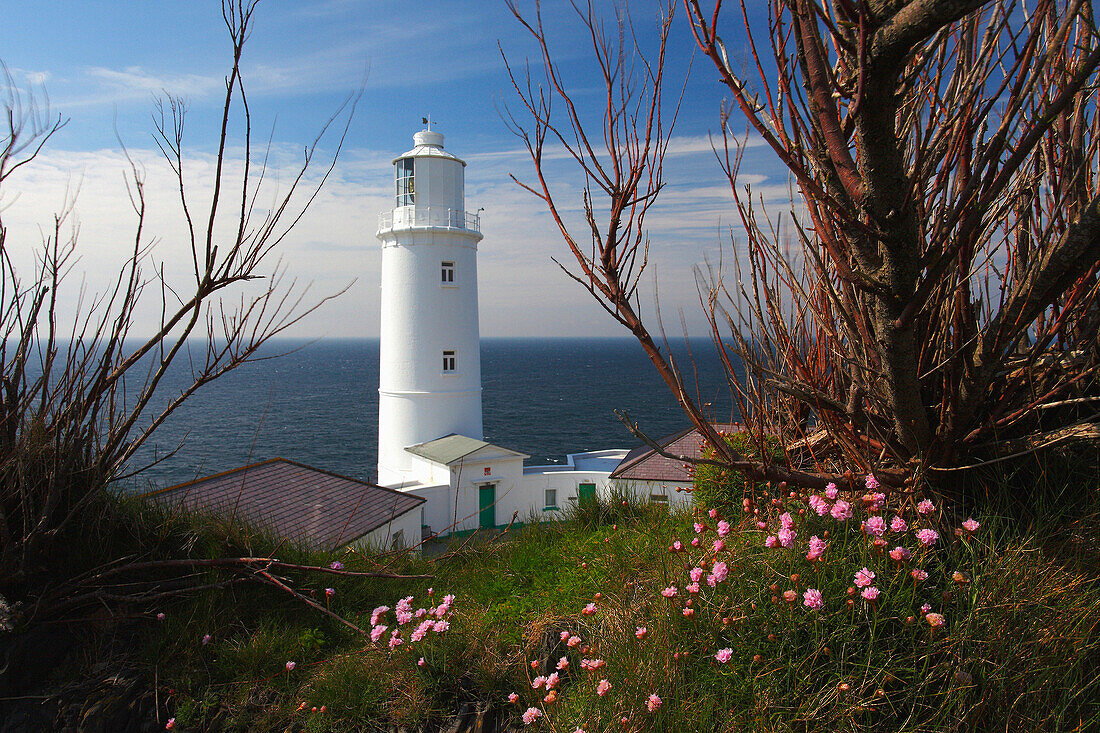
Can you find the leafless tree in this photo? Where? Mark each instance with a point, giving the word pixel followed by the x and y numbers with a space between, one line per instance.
pixel 940 312
pixel 76 405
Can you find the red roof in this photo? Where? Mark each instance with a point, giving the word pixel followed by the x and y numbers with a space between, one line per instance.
pixel 645 464
pixel 303 504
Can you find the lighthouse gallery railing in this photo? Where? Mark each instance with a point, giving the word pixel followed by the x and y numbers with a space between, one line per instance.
pixel 429 216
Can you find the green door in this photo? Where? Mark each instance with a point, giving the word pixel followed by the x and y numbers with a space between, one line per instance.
pixel 487 498
pixel 586 493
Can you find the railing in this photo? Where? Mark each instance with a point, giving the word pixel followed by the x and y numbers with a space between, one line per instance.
pixel 429 216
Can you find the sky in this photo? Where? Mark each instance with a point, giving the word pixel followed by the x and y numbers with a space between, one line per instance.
pixel 101 66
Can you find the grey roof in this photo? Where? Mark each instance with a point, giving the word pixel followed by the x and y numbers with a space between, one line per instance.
pixel 454 447
pixel 645 464
pixel 304 504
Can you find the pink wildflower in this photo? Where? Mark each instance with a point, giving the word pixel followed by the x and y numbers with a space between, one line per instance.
pixel 512 697
pixel 812 599
pixel 330 592
pixel 170 724
pixel 934 619
pixel 819 505
pixel 641 632
pixel 589 609
pixel 677 546
pixel 552 681
pixel 160 616
pixel 789 595
pixel 695 542
pixel 404 617
pixel 395 639
pixel 653 702
pixel 723 528
pixel 864 578
pixel 603 687
pixel 897 524
pixel 713 513
pixel 669 592
pixel 377 614
pixel 418 633
pixel 563 663
pixel 830 490
pixel 573 641
pixel 870 593
pixel 720 571
pixel 871 482
pixel 771 541
pixel 786 521
pixel 761 524
pixel 699 527
pixel 440 626
pixel 696 574
pixel 970 525
pixel 719 545
pixel 592 665
pixel 786 536
pixel 925 608
pixel 337 565
pixel 927 537
pixel 899 554
pixel 926 507
pixel 724 655
pixel 841 511
pixel 564 635
pixel 206 639
pixel 420 662
pixel 878 501
pixel 538 682
pixel 817 548
pixel 693 588
pixel 531 715
pixel 918 574
pixel 290 666
pixel 689 612
pixel 376 633
pixel 875 525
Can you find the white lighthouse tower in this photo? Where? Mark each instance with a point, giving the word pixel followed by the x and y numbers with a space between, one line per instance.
pixel 429 382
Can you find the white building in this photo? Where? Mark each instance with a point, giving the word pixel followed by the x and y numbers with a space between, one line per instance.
pixel 429 383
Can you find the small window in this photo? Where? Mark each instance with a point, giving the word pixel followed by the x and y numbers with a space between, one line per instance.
pixel 450 363
pixel 551 497
pixel 447 272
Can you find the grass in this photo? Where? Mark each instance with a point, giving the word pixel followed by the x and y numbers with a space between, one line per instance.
pixel 1020 649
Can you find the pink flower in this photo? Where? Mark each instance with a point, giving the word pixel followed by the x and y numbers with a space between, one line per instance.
pixel 720 571
pixel 653 702
pixel 771 541
pixel 552 681
pixel 563 663
pixel 693 588
pixel 440 626
pixel 603 687
pixel 689 612
pixel 830 490
pixel 786 521
pixel 669 592
pixel 925 608
pixel 170 724
pixel 934 619
pixel 573 641
pixel 871 482
pixel 927 537
pixel 418 633
pixel 786 536
pixel 699 527
pixel 696 574
pixel 819 505
pixel 589 609
pixel 337 565
pixel 870 593
pixel 897 524
pixel 864 578
pixel 592 664
pixel 677 546
pixel 723 528
pixel 512 697
pixel 376 633
pixel 724 655
pixel 878 501
pixel 641 632
pixel 789 595
pixel 538 682
pixel 377 614
pixel 841 511
pixel 713 513
pixel 206 639
pixel 330 592
pixel 761 524
pixel 875 525
pixel 926 507
pixel 531 715
pixel 918 574
pixel 395 639
pixel 404 617
pixel 290 666
pixel 899 554
pixel 812 599
pixel 694 541
pixel 719 545
pixel 564 635
pixel 817 548
pixel 160 617
pixel 970 525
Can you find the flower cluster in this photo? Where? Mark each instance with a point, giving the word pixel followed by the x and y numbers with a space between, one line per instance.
pixel 433 619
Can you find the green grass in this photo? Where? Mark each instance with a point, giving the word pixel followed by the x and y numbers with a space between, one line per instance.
pixel 1020 649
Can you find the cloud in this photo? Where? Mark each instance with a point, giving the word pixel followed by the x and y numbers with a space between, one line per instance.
pixel 134 81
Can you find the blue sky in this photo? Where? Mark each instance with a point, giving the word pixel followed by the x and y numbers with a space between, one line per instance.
pixel 102 64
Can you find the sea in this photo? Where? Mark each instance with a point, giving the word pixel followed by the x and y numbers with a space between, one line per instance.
pixel 316 402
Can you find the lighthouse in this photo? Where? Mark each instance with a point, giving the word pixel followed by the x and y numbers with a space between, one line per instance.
pixel 429 381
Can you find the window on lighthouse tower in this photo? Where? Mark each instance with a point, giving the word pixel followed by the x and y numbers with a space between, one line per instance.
pixel 406 189
pixel 447 272
pixel 450 365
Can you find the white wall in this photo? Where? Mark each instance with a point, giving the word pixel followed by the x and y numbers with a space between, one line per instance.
pixel 408 524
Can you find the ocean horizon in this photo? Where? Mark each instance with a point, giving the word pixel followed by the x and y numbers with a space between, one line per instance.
pixel 318 404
